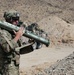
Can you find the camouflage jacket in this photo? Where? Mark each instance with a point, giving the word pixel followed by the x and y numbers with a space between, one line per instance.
pixel 8 50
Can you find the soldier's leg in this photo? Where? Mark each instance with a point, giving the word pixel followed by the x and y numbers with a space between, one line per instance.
pixel 39 45
pixel 12 69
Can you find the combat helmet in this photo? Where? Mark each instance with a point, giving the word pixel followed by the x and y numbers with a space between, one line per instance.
pixel 9 15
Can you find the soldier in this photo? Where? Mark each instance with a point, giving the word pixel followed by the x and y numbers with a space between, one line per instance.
pixel 34 28
pixel 11 44
pixel 9 56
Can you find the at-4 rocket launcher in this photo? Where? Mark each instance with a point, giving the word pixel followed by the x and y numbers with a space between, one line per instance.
pixel 11 27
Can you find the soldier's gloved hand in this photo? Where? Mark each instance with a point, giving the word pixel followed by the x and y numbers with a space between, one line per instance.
pixel 19 33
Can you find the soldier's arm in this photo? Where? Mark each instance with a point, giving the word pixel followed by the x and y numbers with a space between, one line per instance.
pixel 7 42
pixel 18 34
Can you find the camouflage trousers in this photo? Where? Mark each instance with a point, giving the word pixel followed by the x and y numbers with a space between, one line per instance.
pixel 11 69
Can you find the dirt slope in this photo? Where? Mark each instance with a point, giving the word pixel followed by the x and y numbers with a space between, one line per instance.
pixel 58 30
pixel 35 10
pixel 34 62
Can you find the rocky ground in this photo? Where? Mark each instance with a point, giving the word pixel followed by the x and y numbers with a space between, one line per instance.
pixel 56 17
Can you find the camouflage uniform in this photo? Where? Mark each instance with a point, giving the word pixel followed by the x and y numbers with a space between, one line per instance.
pixel 10 50
pixel 9 55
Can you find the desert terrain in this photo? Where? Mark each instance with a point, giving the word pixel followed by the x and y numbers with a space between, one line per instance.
pixel 56 17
